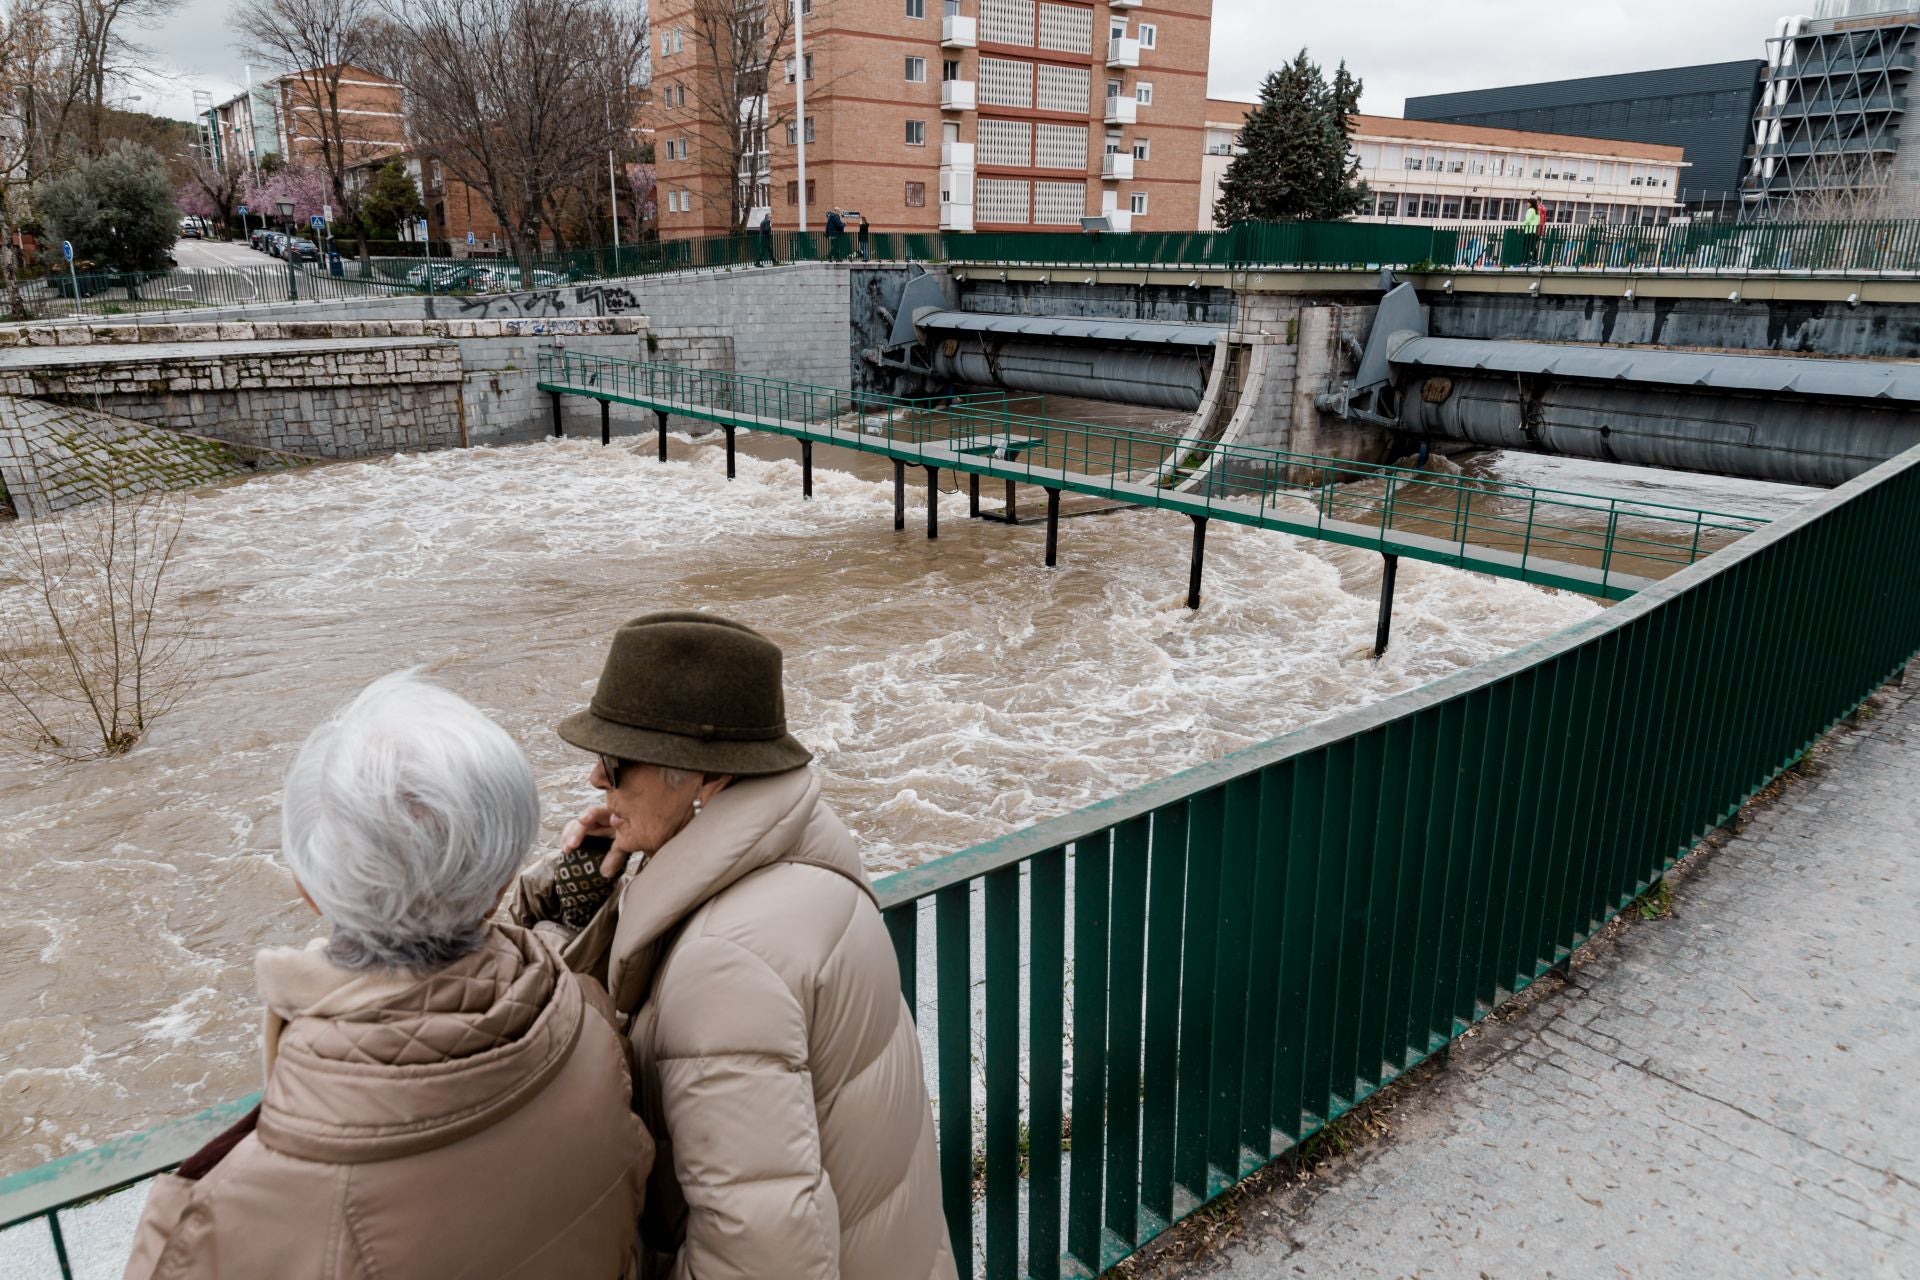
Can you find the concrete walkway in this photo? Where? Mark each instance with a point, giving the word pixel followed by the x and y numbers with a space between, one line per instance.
pixel 1732 1091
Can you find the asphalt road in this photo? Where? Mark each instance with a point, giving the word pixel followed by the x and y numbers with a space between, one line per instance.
pixel 204 255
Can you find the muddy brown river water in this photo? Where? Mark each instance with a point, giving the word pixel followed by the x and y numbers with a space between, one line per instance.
pixel 952 690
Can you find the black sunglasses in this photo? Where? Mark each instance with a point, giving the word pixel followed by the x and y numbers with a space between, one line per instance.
pixel 613 765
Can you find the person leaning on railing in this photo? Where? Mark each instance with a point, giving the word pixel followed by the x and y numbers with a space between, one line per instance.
pixel 444 1097
pixel 775 1059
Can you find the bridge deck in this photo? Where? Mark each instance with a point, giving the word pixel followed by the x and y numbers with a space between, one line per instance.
pixel 1576 542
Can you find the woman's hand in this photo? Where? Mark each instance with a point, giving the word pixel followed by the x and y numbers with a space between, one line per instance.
pixel 597 821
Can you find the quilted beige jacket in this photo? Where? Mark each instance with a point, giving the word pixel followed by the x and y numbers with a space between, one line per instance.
pixel 775 1060
pixel 473 1123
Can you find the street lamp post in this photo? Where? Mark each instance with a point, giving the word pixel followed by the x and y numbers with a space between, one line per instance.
pixel 293 280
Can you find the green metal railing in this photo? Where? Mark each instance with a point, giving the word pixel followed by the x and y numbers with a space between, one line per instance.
pixel 1184 982
pixel 1191 979
pixel 1604 546
pixel 1712 249
pixel 1695 248
pixel 105 294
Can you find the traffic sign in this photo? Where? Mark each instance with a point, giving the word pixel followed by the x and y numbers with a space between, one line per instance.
pixel 66 250
pixel 242 211
pixel 316 222
pixel 469 239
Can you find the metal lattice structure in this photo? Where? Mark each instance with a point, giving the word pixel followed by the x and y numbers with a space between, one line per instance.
pixel 1826 132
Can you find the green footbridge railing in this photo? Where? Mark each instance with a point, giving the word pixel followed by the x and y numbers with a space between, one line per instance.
pixel 1130 1008
pixel 1608 547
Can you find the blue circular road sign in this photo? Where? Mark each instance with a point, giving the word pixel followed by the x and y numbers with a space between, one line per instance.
pixel 66 250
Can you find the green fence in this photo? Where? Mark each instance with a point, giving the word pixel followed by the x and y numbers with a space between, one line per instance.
pixel 106 294
pixel 1183 982
pixel 1695 248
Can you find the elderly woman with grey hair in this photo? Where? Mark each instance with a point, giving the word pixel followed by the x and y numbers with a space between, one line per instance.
pixel 443 1097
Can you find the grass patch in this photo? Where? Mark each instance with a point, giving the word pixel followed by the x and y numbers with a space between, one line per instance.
pixel 1656 903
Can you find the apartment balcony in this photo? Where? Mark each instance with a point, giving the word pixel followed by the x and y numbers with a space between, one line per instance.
pixel 1119 219
pixel 1122 110
pixel 1126 4
pixel 958 95
pixel 956 155
pixel 1123 52
pixel 955 217
pixel 956 185
pixel 1116 167
pixel 958 32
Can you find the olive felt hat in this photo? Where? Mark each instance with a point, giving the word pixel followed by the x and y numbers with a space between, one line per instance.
pixel 690 691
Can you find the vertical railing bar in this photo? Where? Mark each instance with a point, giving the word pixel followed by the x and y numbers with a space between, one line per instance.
pixel 1126 960
pixel 1046 1033
pixel 1166 907
pixel 953 991
pixel 1091 920
pixel 1002 940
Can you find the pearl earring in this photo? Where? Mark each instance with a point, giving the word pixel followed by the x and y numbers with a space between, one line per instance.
pixel 697 806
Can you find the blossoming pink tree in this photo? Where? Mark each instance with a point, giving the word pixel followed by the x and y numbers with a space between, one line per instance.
pixel 307 189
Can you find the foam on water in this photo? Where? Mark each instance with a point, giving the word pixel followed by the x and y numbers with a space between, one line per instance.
pixel 953 690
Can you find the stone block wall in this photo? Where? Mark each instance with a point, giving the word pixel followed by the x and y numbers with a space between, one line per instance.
pixel 362 386
pixel 788 321
pixel 54 457
pixel 325 422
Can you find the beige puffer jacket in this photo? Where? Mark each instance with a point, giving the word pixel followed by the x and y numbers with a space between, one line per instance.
pixel 776 1061
pixel 473 1123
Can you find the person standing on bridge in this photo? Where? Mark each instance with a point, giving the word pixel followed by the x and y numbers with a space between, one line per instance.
pixel 866 238
pixel 765 248
pixel 775 1060
pixel 443 1097
pixel 836 235
pixel 1530 228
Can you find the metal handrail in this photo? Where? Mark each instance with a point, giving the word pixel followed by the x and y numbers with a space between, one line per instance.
pixel 1445 519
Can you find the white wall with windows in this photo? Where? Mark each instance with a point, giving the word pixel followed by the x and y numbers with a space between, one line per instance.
pixel 1489 174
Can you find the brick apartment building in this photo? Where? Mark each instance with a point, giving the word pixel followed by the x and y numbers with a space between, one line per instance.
pixel 282 117
pixel 951 114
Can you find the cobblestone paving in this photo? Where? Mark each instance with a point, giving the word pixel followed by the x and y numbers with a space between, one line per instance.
pixel 1727 1092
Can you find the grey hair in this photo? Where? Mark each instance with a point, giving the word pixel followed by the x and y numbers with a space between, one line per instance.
pixel 405 813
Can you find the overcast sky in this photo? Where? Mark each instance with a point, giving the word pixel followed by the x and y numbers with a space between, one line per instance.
pixel 1399 48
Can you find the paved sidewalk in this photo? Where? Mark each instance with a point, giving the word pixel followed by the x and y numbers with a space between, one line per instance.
pixel 1732 1091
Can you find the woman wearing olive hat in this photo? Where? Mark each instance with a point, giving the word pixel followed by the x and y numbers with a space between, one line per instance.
pixel 730 918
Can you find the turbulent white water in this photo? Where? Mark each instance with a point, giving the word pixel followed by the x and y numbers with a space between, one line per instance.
pixel 954 690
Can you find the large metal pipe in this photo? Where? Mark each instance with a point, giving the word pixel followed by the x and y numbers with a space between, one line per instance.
pixel 1784 419
pixel 1171 378
pixel 1775 438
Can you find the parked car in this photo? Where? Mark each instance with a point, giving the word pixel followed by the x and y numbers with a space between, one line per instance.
pixel 302 250
pixel 507 279
pixel 441 277
pixel 277 244
pixel 190 229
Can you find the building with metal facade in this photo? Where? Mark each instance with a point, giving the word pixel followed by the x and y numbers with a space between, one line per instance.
pixel 1706 110
pixel 1827 130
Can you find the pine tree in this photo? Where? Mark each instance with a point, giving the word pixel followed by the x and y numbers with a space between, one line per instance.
pixel 1298 162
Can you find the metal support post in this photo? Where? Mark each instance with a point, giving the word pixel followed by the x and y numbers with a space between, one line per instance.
pixel 660 421
pixel 973 495
pixel 729 431
pixel 806 468
pixel 606 423
pixel 1053 524
pixel 1013 516
pixel 933 503
pixel 1199 561
pixel 558 431
pixel 899 494
pixel 1385 629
